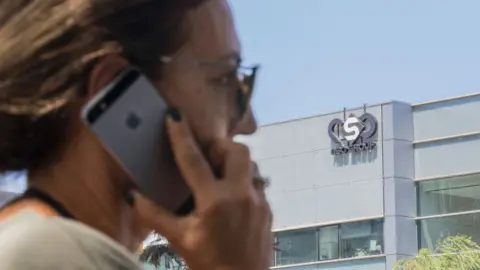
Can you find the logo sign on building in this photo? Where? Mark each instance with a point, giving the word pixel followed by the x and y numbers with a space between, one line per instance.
pixel 354 134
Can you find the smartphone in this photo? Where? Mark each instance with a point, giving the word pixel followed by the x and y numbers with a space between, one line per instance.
pixel 127 116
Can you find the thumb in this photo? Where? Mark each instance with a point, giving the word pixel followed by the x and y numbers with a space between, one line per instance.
pixel 155 217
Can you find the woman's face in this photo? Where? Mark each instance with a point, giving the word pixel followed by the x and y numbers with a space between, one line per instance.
pixel 201 81
pixel 201 78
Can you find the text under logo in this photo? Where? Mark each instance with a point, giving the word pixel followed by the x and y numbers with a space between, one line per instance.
pixel 354 134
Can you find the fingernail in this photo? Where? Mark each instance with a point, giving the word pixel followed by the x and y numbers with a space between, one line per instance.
pixel 241 100
pixel 174 114
pixel 129 198
pixel 218 172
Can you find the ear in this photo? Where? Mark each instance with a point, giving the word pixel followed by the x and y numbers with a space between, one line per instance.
pixel 104 72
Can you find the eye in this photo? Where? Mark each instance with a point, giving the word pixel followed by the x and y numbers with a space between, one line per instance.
pixel 228 78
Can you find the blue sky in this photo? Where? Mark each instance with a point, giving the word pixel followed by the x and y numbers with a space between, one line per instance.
pixel 319 56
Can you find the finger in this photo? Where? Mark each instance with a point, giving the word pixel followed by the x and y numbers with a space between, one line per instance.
pixel 238 165
pixel 156 217
pixel 190 160
pixel 216 155
pixel 255 170
pixel 259 182
pixel 269 215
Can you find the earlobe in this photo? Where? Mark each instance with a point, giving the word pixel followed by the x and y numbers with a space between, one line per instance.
pixel 104 72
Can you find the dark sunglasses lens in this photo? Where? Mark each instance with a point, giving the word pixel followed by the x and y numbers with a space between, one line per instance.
pixel 244 94
pixel 242 101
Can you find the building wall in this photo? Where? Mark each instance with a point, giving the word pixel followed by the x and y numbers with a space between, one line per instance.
pixel 309 185
pixel 400 230
pixel 312 187
pixel 446 149
pixel 415 145
pixel 446 139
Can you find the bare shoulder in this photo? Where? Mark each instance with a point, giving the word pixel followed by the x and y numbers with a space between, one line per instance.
pixel 31 241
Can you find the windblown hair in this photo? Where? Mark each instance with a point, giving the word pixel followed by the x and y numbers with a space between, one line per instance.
pixel 47 50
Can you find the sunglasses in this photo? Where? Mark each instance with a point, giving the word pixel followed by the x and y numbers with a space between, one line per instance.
pixel 246 77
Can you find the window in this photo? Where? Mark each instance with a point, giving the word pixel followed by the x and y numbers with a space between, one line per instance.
pixel 449 195
pixel 434 229
pixel 296 247
pixel 348 240
pixel 362 238
pixel 329 243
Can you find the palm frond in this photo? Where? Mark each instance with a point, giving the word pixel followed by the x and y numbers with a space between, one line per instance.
pixel 159 252
pixel 155 252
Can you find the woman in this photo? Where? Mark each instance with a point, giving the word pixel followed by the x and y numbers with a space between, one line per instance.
pixel 81 210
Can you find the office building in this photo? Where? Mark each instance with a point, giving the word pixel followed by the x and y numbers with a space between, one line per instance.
pixel 362 188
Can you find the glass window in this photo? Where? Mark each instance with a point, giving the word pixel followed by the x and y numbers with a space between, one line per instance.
pixel 297 247
pixel 348 240
pixel 432 230
pixel 329 243
pixel 449 195
pixel 361 238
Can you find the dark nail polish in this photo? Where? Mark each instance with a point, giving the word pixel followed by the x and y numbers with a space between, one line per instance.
pixel 218 172
pixel 175 114
pixel 241 100
pixel 129 198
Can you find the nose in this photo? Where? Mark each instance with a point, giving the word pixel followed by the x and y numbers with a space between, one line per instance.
pixel 247 125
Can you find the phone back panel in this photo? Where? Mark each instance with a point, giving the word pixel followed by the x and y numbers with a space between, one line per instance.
pixel 132 130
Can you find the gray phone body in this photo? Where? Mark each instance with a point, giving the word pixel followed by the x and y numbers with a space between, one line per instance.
pixel 128 118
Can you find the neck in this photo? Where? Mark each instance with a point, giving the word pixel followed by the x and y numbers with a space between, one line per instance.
pixel 90 197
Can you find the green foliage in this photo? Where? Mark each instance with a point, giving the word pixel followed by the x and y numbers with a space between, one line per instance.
pixel 452 253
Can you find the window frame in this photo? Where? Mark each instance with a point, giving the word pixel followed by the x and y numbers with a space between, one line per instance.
pixel 418 193
pixel 446 178
pixel 339 239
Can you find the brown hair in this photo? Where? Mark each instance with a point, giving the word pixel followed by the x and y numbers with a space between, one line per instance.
pixel 48 48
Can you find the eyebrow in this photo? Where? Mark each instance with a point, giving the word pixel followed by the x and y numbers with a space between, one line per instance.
pixel 232 56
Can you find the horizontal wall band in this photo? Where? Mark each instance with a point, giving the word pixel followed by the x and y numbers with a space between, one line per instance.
pixel 445 99
pixel 294 228
pixel 449 215
pixel 446 176
pixel 371 257
pixel 445 138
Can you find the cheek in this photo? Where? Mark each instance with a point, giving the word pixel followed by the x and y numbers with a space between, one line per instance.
pixel 205 111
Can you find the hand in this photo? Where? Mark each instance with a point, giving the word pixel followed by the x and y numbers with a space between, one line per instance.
pixel 231 226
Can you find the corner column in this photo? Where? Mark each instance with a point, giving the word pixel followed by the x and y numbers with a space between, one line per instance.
pixel 400 230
